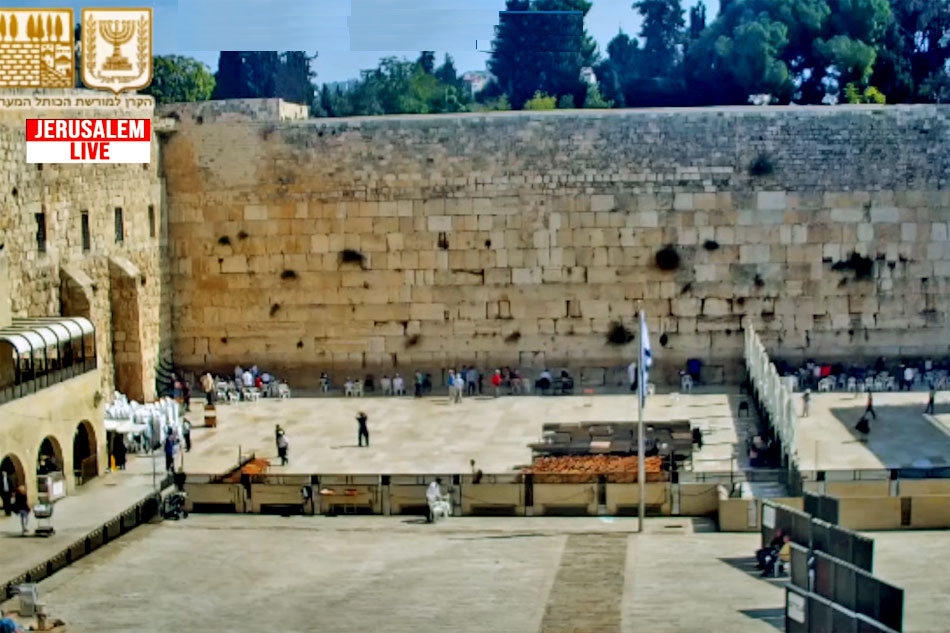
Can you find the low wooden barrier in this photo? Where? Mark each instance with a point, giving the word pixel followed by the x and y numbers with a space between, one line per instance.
pixel 624 499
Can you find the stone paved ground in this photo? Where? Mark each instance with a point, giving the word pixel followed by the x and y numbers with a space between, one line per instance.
pixel 471 575
pixel 409 435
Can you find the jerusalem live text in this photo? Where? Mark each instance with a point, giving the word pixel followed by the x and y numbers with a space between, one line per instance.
pixel 88 140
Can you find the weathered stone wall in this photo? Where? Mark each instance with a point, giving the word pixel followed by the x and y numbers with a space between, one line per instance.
pixel 517 238
pixel 67 279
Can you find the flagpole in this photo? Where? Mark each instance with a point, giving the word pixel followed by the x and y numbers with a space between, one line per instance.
pixel 641 468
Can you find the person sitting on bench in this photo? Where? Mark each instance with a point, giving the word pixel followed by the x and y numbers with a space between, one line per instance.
pixel 763 554
pixel 567 383
pixel 544 381
pixel 781 555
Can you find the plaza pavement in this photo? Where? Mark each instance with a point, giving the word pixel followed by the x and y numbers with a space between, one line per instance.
pixel 470 575
pixel 430 435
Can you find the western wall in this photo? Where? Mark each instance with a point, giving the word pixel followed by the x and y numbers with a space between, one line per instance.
pixel 519 238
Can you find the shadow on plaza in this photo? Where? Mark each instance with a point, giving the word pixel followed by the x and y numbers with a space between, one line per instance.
pixel 747 565
pixel 900 436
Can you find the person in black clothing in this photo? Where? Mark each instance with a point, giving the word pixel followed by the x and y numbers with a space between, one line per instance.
pixel 869 410
pixel 22 507
pixel 763 554
pixel 170 453
pixel 6 492
pixel 930 399
pixel 118 451
pixel 363 431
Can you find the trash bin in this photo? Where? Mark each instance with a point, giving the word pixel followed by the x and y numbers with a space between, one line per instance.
pixel 28 599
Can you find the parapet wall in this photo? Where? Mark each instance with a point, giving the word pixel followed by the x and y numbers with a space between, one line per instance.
pixel 517 238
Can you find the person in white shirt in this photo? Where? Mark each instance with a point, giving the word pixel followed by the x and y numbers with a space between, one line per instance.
pixel 909 377
pixel 459 387
pixel 348 388
pixel 450 383
pixel 433 496
pixel 248 379
pixel 387 385
pixel 399 388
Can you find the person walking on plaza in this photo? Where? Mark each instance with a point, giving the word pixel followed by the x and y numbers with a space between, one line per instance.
pixel 806 400
pixel 930 398
pixel 471 381
pixel 282 447
pixel 186 433
pixel 170 452
pixel 869 410
pixel 459 387
pixel 22 507
pixel 450 383
pixel 6 492
pixel 207 385
pixel 418 384
pixel 363 432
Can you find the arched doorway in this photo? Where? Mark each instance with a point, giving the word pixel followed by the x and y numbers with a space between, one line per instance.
pixel 50 456
pixel 85 466
pixel 11 469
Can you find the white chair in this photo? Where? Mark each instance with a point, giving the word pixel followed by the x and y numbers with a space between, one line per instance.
pixel 283 390
pixel 651 388
pixel 826 384
pixel 234 396
pixel 358 389
pixel 686 383
pixel 252 394
pixel 852 384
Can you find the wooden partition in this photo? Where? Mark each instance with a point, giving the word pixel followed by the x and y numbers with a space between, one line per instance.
pixel 698 499
pixel 407 493
pixel 580 499
pixel 869 513
pixel 209 497
pixel 493 495
pixel 350 494
pixel 624 499
pixel 744 515
pixel 930 511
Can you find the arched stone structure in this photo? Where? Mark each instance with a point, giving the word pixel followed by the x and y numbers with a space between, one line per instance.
pixel 85 453
pixel 50 447
pixel 13 465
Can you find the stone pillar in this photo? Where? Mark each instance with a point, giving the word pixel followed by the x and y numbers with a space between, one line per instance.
pixel 127 331
pixel 5 315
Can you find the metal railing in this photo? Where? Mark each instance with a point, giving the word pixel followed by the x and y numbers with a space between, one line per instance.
pixel 53 377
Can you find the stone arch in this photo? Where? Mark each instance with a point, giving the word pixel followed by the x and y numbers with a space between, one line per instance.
pixel 12 465
pixel 85 462
pixel 50 447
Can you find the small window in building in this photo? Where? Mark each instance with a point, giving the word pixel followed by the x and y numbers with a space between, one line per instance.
pixel 151 220
pixel 40 231
pixel 119 227
pixel 86 239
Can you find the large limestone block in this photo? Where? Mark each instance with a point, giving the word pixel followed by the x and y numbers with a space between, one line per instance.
pixel 771 201
pixel 427 311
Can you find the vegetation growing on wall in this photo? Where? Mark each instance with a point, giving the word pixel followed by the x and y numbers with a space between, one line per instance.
pixel 618 334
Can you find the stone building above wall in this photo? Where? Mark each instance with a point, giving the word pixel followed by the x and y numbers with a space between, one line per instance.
pixel 236 110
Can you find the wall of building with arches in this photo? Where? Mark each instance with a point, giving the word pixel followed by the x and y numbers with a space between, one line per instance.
pixel 64 419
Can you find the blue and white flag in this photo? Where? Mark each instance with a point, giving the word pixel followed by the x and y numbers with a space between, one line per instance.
pixel 646 360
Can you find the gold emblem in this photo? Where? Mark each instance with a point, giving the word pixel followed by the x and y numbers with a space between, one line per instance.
pixel 117 48
pixel 36 48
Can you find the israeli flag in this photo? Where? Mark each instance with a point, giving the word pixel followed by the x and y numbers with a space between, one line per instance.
pixel 646 360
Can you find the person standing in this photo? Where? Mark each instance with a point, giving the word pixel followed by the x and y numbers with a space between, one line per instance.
pixel 6 492
pixel 363 432
pixel 806 399
pixel 22 507
pixel 459 386
pixel 471 381
pixel 869 410
pixel 119 451
pixel 170 452
pixel 207 385
pixel 632 375
pixel 433 496
pixel 186 433
pixel 909 377
pixel 496 382
pixel 930 398
pixel 278 431
pixel 418 384
pixel 282 447
pixel 450 383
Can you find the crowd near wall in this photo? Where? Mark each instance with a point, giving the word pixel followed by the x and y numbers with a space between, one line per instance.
pixel 519 238
pixel 86 240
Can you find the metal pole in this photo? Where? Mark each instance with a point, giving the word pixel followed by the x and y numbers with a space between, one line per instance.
pixel 641 466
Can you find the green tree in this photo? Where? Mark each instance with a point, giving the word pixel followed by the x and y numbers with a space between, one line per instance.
pixel 911 64
pixel 663 36
pixel 426 61
pixel 540 47
pixel 594 99
pixel 619 71
pixel 540 101
pixel 265 74
pixel 697 21
pixel 176 78
pixel 446 73
pixel 796 50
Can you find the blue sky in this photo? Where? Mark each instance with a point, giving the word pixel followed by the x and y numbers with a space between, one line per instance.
pixel 349 34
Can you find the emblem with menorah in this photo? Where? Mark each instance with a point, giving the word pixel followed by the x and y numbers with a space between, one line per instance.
pixel 117 33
